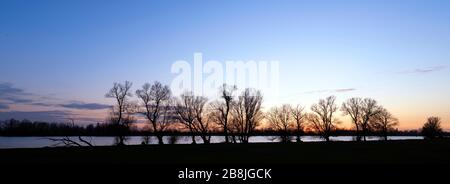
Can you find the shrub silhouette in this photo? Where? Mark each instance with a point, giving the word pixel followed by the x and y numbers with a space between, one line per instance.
pixel 432 128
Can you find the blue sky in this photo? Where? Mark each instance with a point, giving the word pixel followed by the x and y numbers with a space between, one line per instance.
pixel 68 53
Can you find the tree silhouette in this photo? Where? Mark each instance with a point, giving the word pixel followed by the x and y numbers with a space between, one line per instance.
pixel 432 128
pixel 369 109
pixel 221 109
pixel 322 119
pixel 156 99
pixel 201 123
pixel 185 111
pixel 122 127
pixel 120 113
pixel 299 119
pixel 247 114
pixel 281 120
pixel 353 108
pixel 384 122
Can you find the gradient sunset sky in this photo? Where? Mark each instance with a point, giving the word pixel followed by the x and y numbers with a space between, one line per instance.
pixel 59 58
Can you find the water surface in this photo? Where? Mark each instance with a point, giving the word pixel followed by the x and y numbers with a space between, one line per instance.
pixel 40 142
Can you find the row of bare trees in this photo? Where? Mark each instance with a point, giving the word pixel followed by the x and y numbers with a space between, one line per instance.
pixel 367 116
pixel 237 116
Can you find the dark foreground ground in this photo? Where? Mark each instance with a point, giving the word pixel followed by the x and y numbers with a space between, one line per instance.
pixel 392 152
pixel 349 162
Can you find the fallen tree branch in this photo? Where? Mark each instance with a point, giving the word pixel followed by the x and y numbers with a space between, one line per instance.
pixel 84 141
pixel 66 141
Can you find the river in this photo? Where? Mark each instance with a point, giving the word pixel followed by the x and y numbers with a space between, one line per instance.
pixel 39 142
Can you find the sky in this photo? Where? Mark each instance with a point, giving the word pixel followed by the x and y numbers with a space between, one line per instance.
pixel 59 58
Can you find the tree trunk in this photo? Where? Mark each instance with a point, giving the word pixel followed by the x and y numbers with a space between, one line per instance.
pixel 244 139
pixel 205 139
pixel 121 140
pixel 299 133
pixel 225 131
pixel 364 134
pixel 160 139
pixel 233 138
pixel 358 134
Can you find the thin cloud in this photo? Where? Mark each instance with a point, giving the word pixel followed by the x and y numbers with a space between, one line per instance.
pixel 86 120
pixel 11 94
pixel 43 104
pixel 4 106
pixel 342 90
pixel 37 115
pixel 50 97
pixel 316 91
pixel 85 106
pixel 424 70
pixel 7 89
pixel 19 100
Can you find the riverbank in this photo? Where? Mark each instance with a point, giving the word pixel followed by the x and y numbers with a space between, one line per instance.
pixel 40 142
pixel 377 152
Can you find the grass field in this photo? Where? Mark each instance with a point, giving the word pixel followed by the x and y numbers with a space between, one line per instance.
pixel 391 152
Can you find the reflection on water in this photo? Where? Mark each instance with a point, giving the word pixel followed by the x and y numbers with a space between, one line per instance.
pixel 39 142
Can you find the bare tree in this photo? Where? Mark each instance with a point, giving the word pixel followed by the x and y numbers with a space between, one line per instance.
pixel 299 118
pixel 281 120
pixel 385 122
pixel 247 114
pixel 201 123
pixel 353 108
pixel 432 128
pixel 221 109
pixel 156 99
pixel 120 113
pixel 322 119
pixel 185 112
pixel 370 109
pixel 122 128
pixel 190 112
